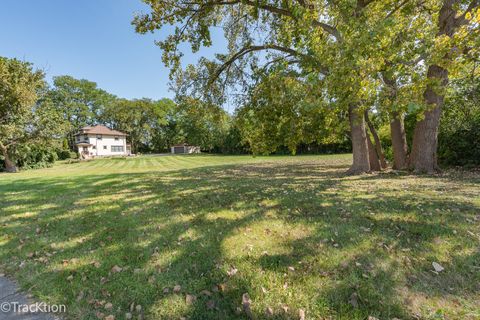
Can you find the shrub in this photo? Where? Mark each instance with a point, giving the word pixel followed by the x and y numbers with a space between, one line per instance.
pixel 459 132
pixel 63 154
pixel 35 156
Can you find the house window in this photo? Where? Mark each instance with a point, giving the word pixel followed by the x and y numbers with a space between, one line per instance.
pixel 104 147
pixel 85 149
pixel 99 137
pixel 78 138
pixel 85 137
pixel 94 147
pixel 117 148
pixel 116 138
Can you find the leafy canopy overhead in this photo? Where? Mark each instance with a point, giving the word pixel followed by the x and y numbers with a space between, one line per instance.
pixel 350 42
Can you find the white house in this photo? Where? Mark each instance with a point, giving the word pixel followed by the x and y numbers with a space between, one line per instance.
pixel 100 141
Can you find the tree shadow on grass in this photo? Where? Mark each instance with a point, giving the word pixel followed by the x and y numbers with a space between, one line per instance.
pixel 352 244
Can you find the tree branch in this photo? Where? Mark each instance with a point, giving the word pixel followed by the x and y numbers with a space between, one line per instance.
pixel 248 49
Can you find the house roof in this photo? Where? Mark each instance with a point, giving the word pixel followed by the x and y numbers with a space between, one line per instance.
pixel 99 129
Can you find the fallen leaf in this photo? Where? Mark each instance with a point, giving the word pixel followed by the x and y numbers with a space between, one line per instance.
pixel 190 299
pixel 437 267
pixel 246 303
pixel 116 269
pixel 285 308
pixel 110 317
pixel 128 316
pixel 301 314
pixel 80 296
pixel 233 271
pixel 108 306
pixel 177 288
pixel 206 293
pixel 151 279
pixel 354 300
pixel 70 277
pixel 269 312
pixel 291 269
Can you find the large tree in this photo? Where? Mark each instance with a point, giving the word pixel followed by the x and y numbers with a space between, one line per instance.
pixel 24 118
pixel 456 30
pixel 81 102
pixel 141 119
pixel 348 42
pixel 333 39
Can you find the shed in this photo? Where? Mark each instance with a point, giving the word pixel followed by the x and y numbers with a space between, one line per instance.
pixel 184 149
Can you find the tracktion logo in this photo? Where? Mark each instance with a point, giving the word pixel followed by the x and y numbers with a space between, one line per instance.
pixel 39 307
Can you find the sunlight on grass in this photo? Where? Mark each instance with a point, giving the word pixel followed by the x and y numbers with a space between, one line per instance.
pixel 292 232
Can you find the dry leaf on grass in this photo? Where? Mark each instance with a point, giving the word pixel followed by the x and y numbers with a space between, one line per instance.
pixel 246 303
pixel 301 314
pixel 233 271
pixel 190 299
pixel 116 269
pixel 437 267
pixel 269 312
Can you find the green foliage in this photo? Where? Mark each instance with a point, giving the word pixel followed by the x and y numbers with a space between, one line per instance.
pixel 81 103
pixel 35 156
pixel 144 120
pixel 200 123
pixel 284 111
pixel 29 122
pixel 64 154
pixel 459 136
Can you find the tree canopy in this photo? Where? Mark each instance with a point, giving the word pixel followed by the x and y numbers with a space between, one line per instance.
pixel 390 56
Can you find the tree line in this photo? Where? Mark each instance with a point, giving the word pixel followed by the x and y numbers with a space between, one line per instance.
pixel 281 113
pixel 38 121
pixel 391 59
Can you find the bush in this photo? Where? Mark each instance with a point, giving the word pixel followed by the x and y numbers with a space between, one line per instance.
pixel 35 156
pixel 459 144
pixel 65 154
pixel 459 133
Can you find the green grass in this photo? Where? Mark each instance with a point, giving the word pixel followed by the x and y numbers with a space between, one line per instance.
pixel 300 233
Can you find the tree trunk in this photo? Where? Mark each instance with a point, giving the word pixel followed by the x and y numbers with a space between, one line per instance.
pixel 9 164
pixel 425 137
pixel 399 142
pixel 361 162
pixel 372 156
pixel 378 145
pixel 397 127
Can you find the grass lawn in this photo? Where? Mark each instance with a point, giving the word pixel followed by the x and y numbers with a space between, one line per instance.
pixel 187 236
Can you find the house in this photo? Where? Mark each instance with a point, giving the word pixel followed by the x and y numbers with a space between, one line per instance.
pixel 101 141
pixel 184 149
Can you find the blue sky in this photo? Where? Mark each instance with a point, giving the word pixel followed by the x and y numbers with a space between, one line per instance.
pixel 91 39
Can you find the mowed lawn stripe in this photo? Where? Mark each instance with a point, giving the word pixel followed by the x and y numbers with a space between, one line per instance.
pixel 289 231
